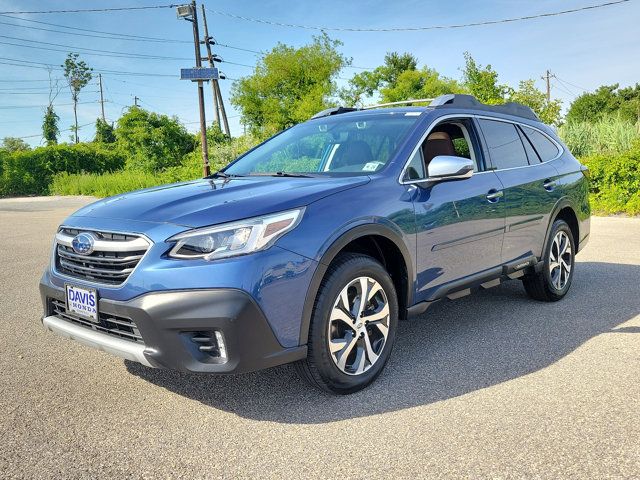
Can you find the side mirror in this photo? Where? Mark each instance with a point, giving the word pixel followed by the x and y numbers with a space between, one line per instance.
pixel 448 167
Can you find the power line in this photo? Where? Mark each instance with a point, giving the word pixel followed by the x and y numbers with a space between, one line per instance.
pixel 119 37
pixel 48 66
pixel 22 81
pixel 65 130
pixel 413 29
pixel 107 35
pixel 563 89
pixel 572 84
pixel 6 107
pixel 36 93
pixel 23 88
pixel 89 10
pixel 98 52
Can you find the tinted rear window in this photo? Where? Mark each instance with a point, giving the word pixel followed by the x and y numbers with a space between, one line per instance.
pixel 504 144
pixel 546 149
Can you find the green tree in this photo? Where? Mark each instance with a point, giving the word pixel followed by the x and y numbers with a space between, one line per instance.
pixel 482 82
pixel 606 100
pixel 14 144
pixel 78 75
pixel 289 85
pixel 50 130
pixel 105 133
pixel 152 141
pixel 215 135
pixel 527 94
pixel 386 76
pixel 423 83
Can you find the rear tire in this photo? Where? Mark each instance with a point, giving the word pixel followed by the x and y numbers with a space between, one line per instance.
pixel 553 282
pixel 350 344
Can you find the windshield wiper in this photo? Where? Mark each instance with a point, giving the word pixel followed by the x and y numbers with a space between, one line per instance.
pixel 287 174
pixel 279 174
pixel 221 174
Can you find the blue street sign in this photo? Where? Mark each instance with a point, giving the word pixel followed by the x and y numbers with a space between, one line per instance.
pixel 201 73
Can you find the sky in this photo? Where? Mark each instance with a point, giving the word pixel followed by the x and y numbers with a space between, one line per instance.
pixel 583 50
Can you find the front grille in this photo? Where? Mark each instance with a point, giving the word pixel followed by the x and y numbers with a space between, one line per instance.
pixel 114 325
pixel 114 257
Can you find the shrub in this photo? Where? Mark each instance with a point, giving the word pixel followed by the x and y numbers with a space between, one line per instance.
pixel 611 134
pixel 615 182
pixel 151 141
pixel 30 172
pixel 124 181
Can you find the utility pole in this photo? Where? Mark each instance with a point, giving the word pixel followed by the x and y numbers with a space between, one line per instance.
pixel 203 122
pixel 547 77
pixel 135 100
pixel 218 103
pixel 101 97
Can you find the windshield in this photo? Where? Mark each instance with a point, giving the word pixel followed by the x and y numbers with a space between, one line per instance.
pixel 341 144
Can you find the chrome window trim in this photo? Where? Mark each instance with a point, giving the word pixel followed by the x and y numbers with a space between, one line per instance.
pixel 80 281
pixel 438 120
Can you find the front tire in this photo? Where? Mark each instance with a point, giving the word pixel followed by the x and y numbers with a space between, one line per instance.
pixel 554 281
pixel 353 326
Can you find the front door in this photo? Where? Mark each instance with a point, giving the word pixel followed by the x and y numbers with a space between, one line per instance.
pixel 459 223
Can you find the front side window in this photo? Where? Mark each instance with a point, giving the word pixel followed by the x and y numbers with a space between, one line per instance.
pixel 353 144
pixel 451 137
pixel 547 150
pixel 504 144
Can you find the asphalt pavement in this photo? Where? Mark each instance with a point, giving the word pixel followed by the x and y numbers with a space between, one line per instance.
pixel 489 386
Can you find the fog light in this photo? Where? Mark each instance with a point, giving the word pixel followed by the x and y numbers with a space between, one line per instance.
pixel 222 348
pixel 210 343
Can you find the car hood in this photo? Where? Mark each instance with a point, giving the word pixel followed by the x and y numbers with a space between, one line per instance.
pixel 208 202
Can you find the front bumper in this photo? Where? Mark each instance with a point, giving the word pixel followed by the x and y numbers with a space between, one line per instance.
pixel 168 322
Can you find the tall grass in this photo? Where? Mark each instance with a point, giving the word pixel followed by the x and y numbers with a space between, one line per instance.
pixel 609 135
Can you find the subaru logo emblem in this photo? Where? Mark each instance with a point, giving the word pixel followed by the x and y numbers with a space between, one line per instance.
pixel 83 243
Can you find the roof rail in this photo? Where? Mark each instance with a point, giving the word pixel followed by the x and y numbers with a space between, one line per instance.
pixel 333 111
pixel 470 102
pixel 401 102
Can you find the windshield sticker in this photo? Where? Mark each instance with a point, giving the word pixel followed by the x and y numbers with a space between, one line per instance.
pixel 372 166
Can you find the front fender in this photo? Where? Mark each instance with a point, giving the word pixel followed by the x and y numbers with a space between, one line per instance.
pixel 336 243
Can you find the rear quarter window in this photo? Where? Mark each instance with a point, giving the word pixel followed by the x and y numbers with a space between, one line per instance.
pixel 547 150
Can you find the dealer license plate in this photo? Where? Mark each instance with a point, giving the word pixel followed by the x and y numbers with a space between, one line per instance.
pixel 82 301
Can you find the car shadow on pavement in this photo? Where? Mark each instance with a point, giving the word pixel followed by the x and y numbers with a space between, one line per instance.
pixel 455 348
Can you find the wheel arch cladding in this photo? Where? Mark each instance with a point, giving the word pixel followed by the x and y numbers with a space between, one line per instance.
pixel 377 241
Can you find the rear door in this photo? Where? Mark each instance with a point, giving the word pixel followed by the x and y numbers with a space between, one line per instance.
pixel 529 187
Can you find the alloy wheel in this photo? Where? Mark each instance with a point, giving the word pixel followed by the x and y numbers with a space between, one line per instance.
pixel 560 260
pixel 358 326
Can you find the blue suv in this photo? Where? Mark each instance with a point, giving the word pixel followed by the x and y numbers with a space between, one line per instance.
pixel 312 246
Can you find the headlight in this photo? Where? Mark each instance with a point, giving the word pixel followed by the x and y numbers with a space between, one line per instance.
pixel 237 238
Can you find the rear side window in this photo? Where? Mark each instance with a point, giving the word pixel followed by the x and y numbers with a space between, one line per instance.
pixel 547 150
pixel 504 144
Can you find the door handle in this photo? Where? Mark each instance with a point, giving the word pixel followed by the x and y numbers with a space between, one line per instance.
pixel 494 195
pixel 549 185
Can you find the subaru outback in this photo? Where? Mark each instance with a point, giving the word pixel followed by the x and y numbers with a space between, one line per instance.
pixel 310 247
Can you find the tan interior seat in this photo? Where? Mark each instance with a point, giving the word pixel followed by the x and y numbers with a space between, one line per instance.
pixel 437 143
